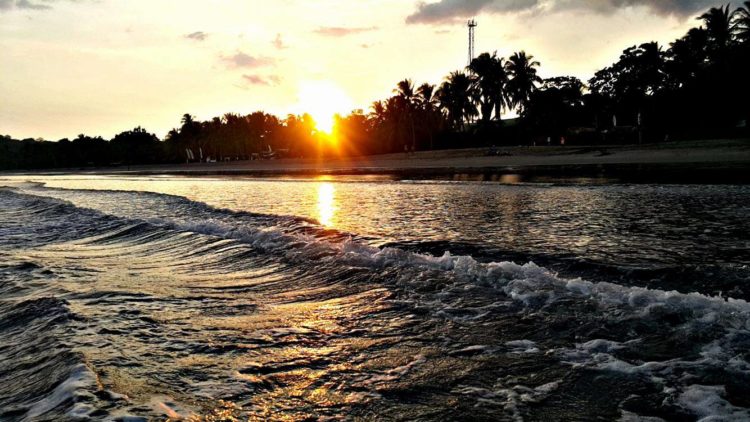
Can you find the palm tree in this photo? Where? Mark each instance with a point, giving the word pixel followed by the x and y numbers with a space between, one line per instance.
pixel 405 95
pixel 490 79
pixel 455 96
pixel 718 21
pixel 234 124
pixel 428 110
pixel 741 23
pixel 521 70
pixel 187 120
pixel 395 113
pixel 405 89
pixel 385 119
pixel 378 112
pixel 426 96
pixel 686 57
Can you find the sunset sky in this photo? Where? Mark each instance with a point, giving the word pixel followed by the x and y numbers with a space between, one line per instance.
pixel 103 66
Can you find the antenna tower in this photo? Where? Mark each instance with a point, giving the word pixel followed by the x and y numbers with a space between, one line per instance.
pixel 472 25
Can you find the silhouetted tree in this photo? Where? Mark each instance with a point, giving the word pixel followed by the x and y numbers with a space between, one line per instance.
pixel 455 96
pixel 490 81
pixel 556 106
pixel 718 21
pixel 137 146
pixel 522 73
pixel 687 58
pixel 428 110
pixel 741 23
pixel 405 98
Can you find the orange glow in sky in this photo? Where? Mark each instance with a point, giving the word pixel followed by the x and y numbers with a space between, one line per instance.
pixel 324 99
pixel 103 67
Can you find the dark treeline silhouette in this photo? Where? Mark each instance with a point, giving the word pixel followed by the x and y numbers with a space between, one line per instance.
pixel 695 88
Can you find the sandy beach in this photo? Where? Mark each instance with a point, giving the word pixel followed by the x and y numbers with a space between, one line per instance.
pixel 705 161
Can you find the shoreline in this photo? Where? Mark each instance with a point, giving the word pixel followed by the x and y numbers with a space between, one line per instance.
pixel 721 161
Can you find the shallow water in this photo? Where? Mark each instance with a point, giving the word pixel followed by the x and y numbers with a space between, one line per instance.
pixel 372 298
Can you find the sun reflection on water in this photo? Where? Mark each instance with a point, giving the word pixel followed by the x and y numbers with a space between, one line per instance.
pixel 326 204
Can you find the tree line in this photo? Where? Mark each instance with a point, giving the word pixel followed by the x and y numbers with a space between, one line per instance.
pixel 697 87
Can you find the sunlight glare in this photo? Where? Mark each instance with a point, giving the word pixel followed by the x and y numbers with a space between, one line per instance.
pixel 323 100
pixel 326 204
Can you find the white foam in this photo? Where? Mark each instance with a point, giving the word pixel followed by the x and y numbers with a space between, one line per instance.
pixel 511 399
pixel 707 403
pixel 632 417
pixel 81 379
pixel 522 347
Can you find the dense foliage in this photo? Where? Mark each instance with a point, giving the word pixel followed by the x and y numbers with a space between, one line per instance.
pixel 697 87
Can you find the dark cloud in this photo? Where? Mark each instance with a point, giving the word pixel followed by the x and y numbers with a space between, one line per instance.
pixel 197 36
pixel 261 80
pixel 679 8
pixel 451 10
pixel 334 31
pixel 245 60
pixel 445 11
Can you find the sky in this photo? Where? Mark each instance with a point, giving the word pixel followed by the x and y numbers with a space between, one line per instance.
pixel 100 67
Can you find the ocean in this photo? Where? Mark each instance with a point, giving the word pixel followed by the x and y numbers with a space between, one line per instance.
pixel 372 298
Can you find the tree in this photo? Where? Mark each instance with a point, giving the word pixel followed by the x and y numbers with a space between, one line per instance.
pixel 91 151
pixel 490 80
pixel 522 73
pixel 405 97
pixel 555 106
pixel 569 87
pixel 383 125
pixel 137 146
pixel 741 23
pixel 455 96
pixel 718 21
pixel 637 75
pixel 428 111
pixel 686 58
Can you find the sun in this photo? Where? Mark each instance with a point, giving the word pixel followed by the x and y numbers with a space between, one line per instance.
pixel 323 99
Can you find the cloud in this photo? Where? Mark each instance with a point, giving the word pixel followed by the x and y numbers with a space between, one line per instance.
pixel 245 60
pixel 6 5
pixel 278 42
pixel 260 80
pixel 446 11
pixel 678 8
pixel 334 31
pixel 197 36
pixel 24 4
pixel 452 10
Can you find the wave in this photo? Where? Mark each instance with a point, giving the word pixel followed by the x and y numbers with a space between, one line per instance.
pixel 43 378
pixel 674 339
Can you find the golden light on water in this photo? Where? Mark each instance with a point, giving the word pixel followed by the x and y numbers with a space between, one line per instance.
pixel 326 204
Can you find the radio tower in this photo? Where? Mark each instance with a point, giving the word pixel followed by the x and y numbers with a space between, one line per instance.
pixel 472 25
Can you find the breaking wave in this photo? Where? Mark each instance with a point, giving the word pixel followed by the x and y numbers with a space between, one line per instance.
pixel 158 305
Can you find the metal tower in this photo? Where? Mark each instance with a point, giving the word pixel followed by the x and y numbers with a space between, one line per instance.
pixel 472 25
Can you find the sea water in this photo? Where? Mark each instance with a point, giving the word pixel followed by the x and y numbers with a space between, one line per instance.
pixel 218 298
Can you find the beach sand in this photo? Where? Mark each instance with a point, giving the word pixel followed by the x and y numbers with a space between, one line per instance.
pixel 720 160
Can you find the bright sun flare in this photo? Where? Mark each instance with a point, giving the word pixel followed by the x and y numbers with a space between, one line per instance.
pixel 322 100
